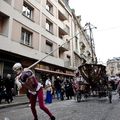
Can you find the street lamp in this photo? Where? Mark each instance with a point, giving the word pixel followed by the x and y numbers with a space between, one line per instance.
pixel 89 26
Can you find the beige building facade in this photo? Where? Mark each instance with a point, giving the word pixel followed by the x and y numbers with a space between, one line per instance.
pixel 31 29
pixel 113 66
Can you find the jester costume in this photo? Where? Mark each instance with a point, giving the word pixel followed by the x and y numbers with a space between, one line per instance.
pixel 27 80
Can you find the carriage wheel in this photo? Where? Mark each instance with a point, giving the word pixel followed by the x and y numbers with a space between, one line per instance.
pixel 78 96
pixel 110 97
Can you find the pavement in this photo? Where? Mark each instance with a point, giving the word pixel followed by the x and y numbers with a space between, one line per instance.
pixel 18 100
pixel 22 99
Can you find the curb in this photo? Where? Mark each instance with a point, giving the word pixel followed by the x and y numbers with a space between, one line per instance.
pixel 16 102
pixel 12 105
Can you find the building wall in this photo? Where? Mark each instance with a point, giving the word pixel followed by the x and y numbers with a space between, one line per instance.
pixel 43 45
pixel 1 24
pixel 16 34
pixel 113 66
pixel 16 30
pixel 18 5
pixel 15 21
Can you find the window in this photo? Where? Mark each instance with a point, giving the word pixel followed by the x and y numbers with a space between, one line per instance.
pixel 27 10
pixel 49 7
pixel 68 44
pixel 49 26
pixel 118 65
pixel 67 29
pixel 88 53
pixel 49 47
pixel 76 42
pixel 68 59
pixel 26 37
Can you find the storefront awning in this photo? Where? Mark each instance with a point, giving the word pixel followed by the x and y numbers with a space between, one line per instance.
pixel 54 72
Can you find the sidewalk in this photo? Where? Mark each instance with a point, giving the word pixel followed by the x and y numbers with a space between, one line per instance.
pixel 18 100
pixel 21 100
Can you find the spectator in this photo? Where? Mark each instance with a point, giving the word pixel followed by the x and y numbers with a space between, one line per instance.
pixel 62 92
pixel 9 85
pixel 57 85
pixel 71 89
pixel 118 88
pixel 67 89
pixel 48 87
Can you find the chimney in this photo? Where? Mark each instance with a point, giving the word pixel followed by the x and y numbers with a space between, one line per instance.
pixel 73 11
pixel 79 18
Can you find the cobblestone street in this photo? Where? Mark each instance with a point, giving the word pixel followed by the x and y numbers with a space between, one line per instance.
pixel 93 109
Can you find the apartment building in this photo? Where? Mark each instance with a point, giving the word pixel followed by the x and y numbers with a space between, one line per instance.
pixel 81 43
pixel 113 66
pixel 31 29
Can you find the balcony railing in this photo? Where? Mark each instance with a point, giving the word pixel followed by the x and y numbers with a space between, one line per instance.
pixel 77 52
pixel 64 30
pixel 65 47
pixel 83 56
pixel 8 1
pixel 62 16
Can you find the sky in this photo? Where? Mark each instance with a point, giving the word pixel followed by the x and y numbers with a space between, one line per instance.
pixel 105 15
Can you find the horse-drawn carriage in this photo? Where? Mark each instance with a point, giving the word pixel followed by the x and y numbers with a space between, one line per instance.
pixel 94 81
pixel 82 91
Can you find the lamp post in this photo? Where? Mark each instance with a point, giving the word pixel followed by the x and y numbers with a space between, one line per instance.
pixel 89 26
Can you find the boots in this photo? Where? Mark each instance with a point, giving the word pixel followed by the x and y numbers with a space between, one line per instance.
pixel 52 118
pixel 36 119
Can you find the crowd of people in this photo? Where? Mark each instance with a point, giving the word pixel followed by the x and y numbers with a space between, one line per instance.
pixel 60 89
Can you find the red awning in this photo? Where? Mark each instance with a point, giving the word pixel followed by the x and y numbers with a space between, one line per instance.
pixel 55 72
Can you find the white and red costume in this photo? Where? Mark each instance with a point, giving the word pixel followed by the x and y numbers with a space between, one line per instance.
pixel 27 80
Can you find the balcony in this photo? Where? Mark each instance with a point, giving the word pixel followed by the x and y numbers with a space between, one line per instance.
pixel 63 2
pixel 4 21
pixel 8 1
pixel 83 56
pixel 65 47
pixel 63 30
pixel 62 16
pixel 77 52
pixel 82 45
pixel 88 53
